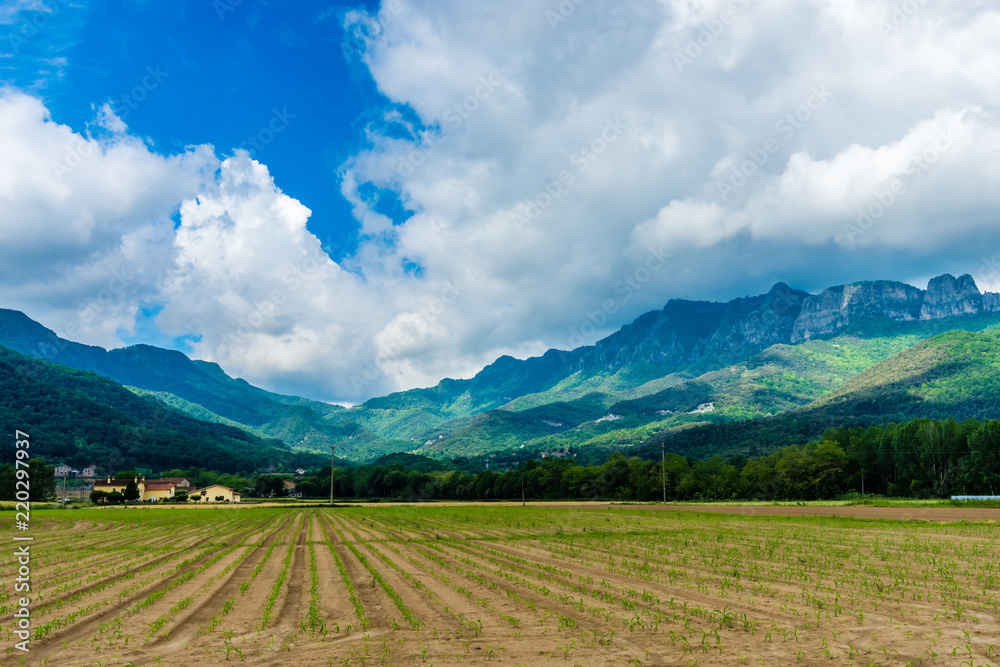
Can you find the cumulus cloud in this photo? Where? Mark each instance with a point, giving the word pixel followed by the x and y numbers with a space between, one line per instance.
pixel 86 221
pixel 750 141
pixel 566 167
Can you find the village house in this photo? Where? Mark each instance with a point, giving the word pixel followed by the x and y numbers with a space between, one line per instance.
pixel 119 485
pixel 290 490
pixel 158 489
pixel 62 470
pixel 90 471
pixel 216 493
pixel 164 489
pixel 180 484
pixel 152 490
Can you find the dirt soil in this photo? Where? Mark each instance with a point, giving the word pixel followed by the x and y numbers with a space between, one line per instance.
pixel 605 587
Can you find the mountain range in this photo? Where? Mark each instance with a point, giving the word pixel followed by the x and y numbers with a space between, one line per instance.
pixel 677 377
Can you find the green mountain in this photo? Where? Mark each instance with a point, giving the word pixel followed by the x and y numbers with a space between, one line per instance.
pixel 684 370
pixel 202 390
pixel 780 379
pixel 953 374
pixel 81 418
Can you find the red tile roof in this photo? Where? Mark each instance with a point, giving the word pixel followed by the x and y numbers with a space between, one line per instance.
pixel 159 485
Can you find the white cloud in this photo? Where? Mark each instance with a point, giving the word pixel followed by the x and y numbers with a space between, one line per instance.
pixel 553 166
pixel 109 120
pixel 10 11
pixel 85 219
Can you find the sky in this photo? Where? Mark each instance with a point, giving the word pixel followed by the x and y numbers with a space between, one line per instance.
pixel 341 200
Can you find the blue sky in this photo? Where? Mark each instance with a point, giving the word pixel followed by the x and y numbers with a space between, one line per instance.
pixel 224 68
pixel 341 201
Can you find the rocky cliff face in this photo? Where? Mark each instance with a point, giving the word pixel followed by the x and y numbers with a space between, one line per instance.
pixel 836 307
pixel 686 331
pixel 947 296
pixel 705 334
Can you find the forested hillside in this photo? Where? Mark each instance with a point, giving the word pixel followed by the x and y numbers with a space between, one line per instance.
pixel 82 418
pixel 920 458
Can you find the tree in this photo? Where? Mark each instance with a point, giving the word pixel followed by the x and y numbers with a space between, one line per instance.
pixel 97 496
pixel 827 463
pixel 195 497
pixel 40 477
pixel 131 491
pixel 983 461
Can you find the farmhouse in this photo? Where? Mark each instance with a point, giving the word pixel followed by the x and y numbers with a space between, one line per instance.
pixel 112 485
pixel 162 489
pixel 155 489
pixel 159 489
pixel 180 484
pixel 216 493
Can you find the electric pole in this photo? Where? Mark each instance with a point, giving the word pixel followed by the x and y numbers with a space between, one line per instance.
pixel 522 488
pixel 663 470
pixel 331 474
pixel 64 490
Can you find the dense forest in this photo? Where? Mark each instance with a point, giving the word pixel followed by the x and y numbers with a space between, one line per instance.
pixel 80 418
pixel 919 458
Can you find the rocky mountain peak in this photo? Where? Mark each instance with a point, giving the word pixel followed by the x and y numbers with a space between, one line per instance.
pixel 836 307
pixel 948 296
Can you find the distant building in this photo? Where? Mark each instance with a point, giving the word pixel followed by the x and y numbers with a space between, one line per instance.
pixel 290 490
pixel 180 484
pixel 158 489
pixel 62 470
pixel 216 493
pixel 300 471
pixel 90 471
pixel 119 485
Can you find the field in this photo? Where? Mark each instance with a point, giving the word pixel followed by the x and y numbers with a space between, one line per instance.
pixel 445 585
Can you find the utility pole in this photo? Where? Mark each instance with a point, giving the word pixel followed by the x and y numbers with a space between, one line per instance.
pixel 64 491
pixel 663 470
pixel 331 474
pixel 522 488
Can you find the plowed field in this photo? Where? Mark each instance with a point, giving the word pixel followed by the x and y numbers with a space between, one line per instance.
pixel 440 585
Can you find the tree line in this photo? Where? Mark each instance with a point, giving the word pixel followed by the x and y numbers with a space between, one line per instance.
pixel 920 458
